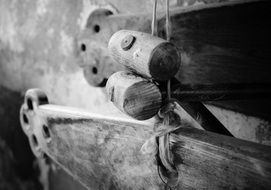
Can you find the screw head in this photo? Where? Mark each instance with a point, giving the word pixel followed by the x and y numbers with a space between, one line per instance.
pixel 127 42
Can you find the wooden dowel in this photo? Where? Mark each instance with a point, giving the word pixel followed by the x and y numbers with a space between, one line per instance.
pixel 216 43
pixel 133 95
pixel 147 55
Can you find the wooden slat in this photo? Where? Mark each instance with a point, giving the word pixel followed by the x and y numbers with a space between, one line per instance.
pixel 224 44
pixel 104 153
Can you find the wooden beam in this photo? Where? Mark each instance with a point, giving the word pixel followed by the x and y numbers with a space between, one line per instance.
pixel 104 152
pixel 223 44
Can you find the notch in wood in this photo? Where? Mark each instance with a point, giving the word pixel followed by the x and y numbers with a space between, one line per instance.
pixel 144 54
pixel 133 95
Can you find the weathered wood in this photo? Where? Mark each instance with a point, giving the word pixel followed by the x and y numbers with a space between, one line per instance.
pixel 142 99
pixel 224 44
pixel 133 95
pixel 186 93
pixel 104 153
pixel 220 43
pixel 147 55
pixel 204 117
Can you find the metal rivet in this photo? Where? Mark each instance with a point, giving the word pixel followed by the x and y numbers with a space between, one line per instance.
pixel 127 42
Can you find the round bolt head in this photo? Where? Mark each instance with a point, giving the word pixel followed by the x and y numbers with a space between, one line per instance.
pixel 127 42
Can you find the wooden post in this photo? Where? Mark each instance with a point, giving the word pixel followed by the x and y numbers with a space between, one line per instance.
pixel 149 56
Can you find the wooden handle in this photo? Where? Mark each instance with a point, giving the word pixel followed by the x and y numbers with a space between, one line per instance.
pixel 133 95
pixel 149 56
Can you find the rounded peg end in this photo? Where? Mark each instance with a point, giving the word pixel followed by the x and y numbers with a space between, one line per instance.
pixel 144 54
pixel 133 95
pixel 164 62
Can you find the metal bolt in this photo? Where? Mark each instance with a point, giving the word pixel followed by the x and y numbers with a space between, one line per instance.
pixel 127 42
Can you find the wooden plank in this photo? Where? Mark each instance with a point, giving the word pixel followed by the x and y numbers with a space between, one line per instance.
pixel 104 153
pixel 223 44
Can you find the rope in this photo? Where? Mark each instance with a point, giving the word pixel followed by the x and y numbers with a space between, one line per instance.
pixel 160 147
pixel 168 39
pixel 171 122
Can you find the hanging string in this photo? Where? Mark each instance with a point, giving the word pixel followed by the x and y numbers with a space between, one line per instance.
pixel 168 39
pixel 167 21
pixel 155 33
pixel 160 144
pixel 154 19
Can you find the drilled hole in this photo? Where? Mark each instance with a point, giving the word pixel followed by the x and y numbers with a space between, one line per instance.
pixel 46 158
pixel 83 47
pixel 25 119
pixel 29 104
pixel 96 28
pixel 94 70
pixel 46 132
pixel 35 140
pixel 103 83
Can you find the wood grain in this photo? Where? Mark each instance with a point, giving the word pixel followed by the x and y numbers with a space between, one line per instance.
pixel 104 153
pixel 133 95
pixel 224 43
pixel 149 56
pixel 220 43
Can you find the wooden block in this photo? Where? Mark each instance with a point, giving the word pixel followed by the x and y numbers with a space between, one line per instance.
pixel 133 95
pixel 149 56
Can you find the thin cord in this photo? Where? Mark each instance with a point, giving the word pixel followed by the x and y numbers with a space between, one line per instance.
pixel 166 142
pixel 154 20
pixel 167 21
pixel 168 39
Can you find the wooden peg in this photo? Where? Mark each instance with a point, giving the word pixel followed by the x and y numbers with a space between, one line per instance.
pixel 133 95
pixel 147 55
